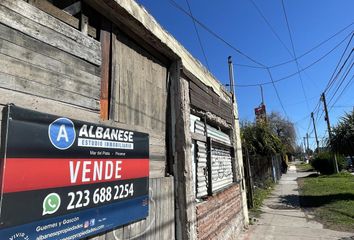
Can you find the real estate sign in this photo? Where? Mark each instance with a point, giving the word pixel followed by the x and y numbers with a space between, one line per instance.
pixel 69 179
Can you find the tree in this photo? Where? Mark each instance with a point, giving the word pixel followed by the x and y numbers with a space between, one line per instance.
pixel 343 135
pixel 298 151
pixel 284 130
pixel 259 139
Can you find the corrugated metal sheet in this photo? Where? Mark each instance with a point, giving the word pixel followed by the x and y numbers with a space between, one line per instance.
pixel 199 127
pixel 221 161
pixel 193 118
pixel 202 172
pixel 218 135
pixel 221 167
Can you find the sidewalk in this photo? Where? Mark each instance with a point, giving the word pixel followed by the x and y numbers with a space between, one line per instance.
pixel 283 219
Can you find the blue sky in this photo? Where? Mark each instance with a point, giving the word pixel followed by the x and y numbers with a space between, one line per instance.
pixel 239 23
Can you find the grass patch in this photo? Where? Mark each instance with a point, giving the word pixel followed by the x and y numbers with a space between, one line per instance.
pixel 304 167
pixel 260 193
pixel 330 198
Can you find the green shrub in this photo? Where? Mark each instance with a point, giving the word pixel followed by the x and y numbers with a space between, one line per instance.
pixel 342 162
pixel 323 162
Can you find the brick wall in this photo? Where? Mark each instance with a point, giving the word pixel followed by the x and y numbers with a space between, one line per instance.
pixel 220 213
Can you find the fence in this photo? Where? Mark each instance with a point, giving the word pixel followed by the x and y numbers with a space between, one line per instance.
pixel 259 170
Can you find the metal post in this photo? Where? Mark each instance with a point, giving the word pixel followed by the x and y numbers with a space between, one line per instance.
pixel 314 128
pixel 249 180
pixel 231 78
pixel 305 148
pixel 209 166
pixel 323 98
pixel 262 94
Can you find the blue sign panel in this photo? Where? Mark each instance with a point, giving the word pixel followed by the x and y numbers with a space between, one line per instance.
pixel 68 179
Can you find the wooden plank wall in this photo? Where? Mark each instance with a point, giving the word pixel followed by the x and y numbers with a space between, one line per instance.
pixel 30 20
pixel 36 62
pixel 160 222
pixel 204 98
pixel 48 7
pixel 35 59
pixel 139 97
pixel 45 105
pixel 48 66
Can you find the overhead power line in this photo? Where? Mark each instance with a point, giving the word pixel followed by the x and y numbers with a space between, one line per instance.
pixel 282 43
pixel 269 25
pixel 344 88
pixel 332 78
pixel 295 73
pixel 198 36
pixel 177 6
pixel 303 54
pixel 314 48
pixel 302 119
pixel 343 106
pixel 294 53
pixel 260 65
pixel 299 102
pixel 277 93
pixel 245 65
pixel 347 70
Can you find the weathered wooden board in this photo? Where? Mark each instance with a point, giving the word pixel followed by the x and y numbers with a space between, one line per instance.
pixel 34 73
pixel 50 73
pixel 35 88
pixel 47 105
pixel 160 224
pixel 38 59
pixel 49 8
pixel 105 39
pixel 140 82
pixel 206 99
pixel 40 25
pixel 34 45
pixel 139 96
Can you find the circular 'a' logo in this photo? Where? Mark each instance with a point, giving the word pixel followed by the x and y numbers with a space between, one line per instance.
pixel 62 133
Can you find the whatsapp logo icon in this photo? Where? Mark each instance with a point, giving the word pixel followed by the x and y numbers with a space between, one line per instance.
pixel 51 203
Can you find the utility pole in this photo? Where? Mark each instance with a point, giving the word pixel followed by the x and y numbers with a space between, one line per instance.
pixel 307 140
pixel 314 128
pixel 305 152
pixel 262 94
pixel 323 98
pixel 231 77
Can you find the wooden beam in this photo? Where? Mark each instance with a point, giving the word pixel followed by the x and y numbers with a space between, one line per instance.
pixel 183 168
pixel 39 25
pixel 112 10
pixel 105 38
pixel 73 9
pixel 198 137
pixel 84 24
pixel 49 8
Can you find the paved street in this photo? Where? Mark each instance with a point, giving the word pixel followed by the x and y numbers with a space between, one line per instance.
pixel 283 219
